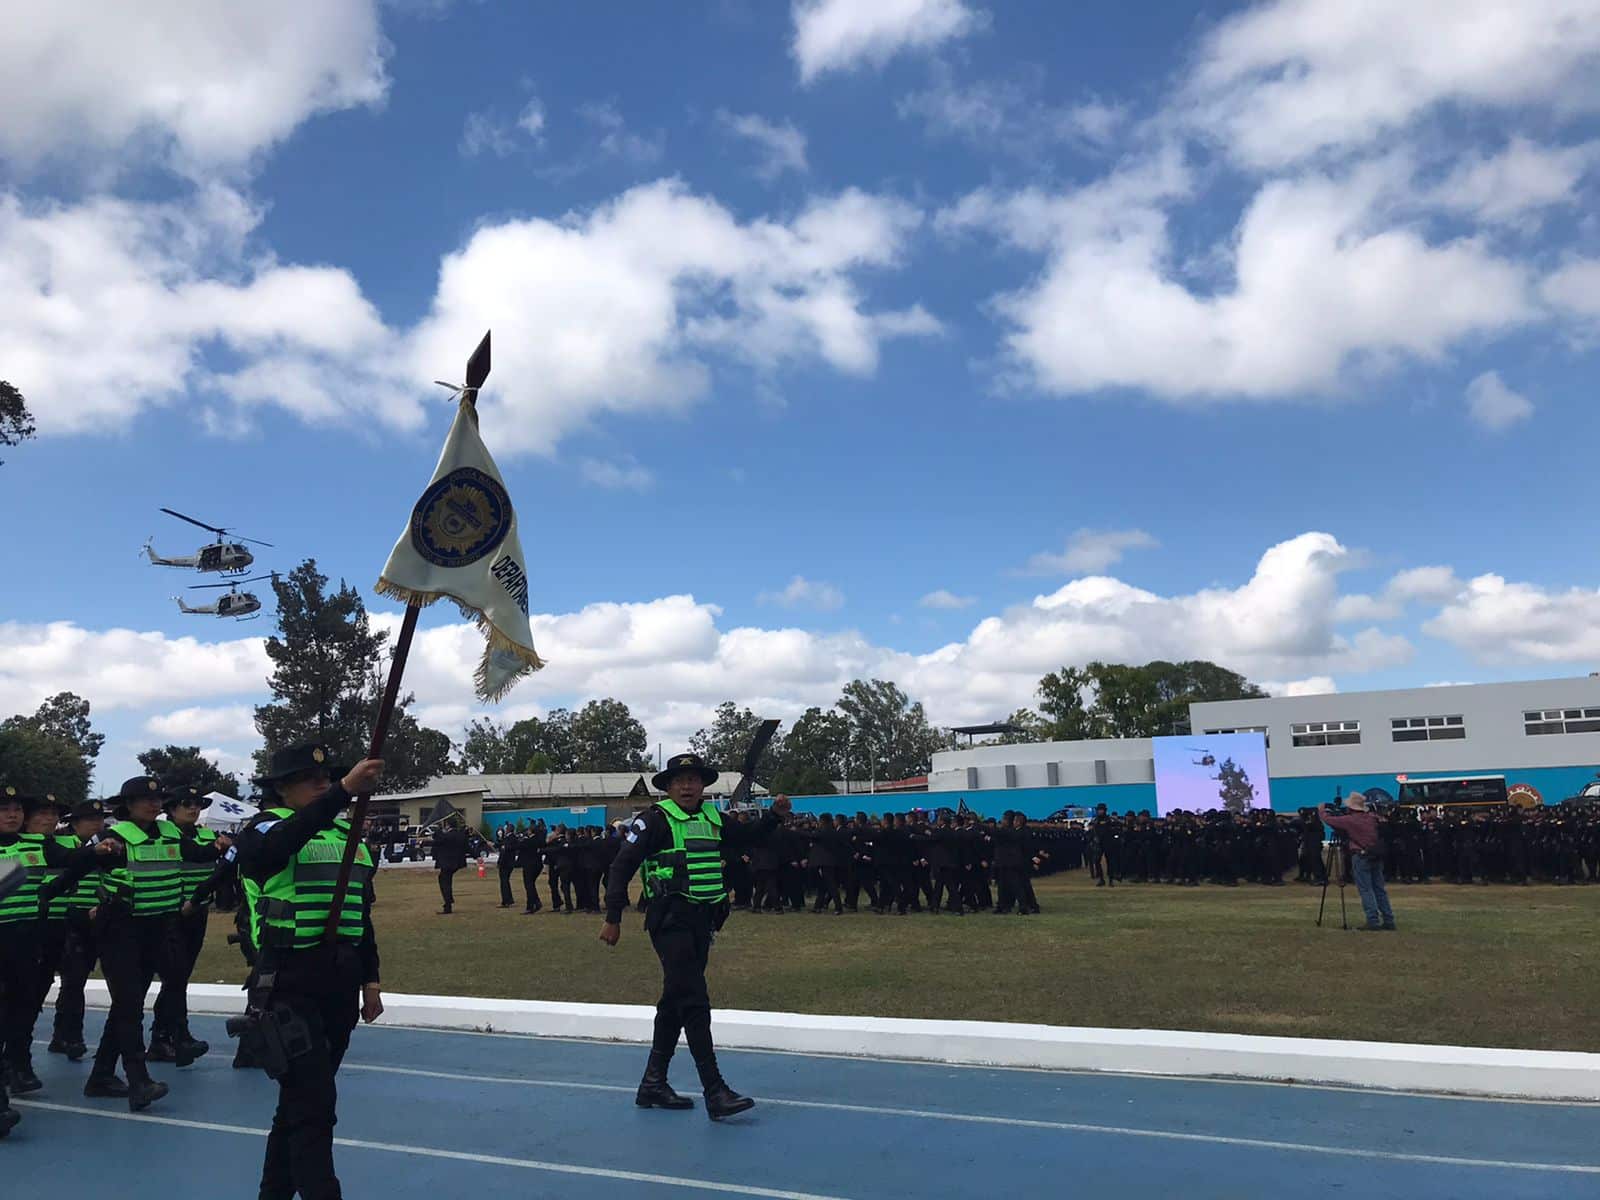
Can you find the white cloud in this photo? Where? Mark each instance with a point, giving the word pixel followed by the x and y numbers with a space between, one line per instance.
pixel 1495 406
pixel 122 668
pixel 70 276
pixel 832 35
pixel 782 147
pixel 1316 685
pixel 1517 181
pixel 187 726
pixel 672 660
pixel 805 593
pixel 946 599
pixel 1090 550
pixel 1575 288
pixel 1318 282
pixel 209 84
pixel 490 133
pixel 1007 114
pixel 1426 585
pixel 626 307
pixel 1280 82
pixel 1500 622
pixel 626 473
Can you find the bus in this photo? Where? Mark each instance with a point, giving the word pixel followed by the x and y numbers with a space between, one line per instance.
pixel 1456 792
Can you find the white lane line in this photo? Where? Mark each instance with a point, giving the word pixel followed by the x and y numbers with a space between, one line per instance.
pixel 1027 1123
pixel 527 1164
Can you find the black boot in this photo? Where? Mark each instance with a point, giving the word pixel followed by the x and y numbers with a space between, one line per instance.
pixel 162 1049
pixel 105 1086
pixel 721 1100
pixel 8 1119
pixel 190 1048
pixel 71 1046
pixel 654 1090
pixel 21 1078
pixel 142 1095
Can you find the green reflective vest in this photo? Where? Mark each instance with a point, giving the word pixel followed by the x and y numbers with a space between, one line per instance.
pixel 196 873
pixel 692 868
pixel 290 910
pixel 87 894
pixel 151 878
pixel 58 906
pixel 23 904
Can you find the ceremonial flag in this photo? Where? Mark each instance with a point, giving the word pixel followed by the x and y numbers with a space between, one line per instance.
pixel 461 542
pixel 963 810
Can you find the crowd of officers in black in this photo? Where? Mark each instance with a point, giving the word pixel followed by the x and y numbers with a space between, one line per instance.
pixel 1505 844
pixel 922 862
pixel 898 863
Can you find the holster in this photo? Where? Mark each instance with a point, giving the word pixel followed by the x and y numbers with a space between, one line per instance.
pixel 272 1032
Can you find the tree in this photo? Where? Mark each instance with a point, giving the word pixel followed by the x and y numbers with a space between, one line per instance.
pixel 1238 794
pixel 1118 700
pixel 16 422
pixel 727 742
pixel 35 762
pixel 1030 727
pixel 890 736
pixel 64 716
pixel 484 749
pixel 1066 715
pixel 607 738
pixel 186 767
pixel 813 754
pixel 548 742
pixel 328 674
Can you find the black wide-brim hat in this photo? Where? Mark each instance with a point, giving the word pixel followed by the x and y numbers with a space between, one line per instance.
pixel 178 796
pixel 141 787
pixel 32 804
pixel 678 764
pixel 89 808
pixel 297 757
pixel 13 795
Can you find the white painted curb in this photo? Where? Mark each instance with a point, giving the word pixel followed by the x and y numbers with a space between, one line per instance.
pixel 1464 1070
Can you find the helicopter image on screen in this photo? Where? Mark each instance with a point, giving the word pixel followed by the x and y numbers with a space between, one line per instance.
pixel 230 558
pixel 234 604
pixel 1206 759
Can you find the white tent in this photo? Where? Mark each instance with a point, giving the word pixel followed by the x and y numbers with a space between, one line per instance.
pixel 226 814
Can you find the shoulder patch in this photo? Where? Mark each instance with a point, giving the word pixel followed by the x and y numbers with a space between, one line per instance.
pixel 263 826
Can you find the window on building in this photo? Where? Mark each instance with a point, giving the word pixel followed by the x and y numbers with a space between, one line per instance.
pixel 1428 729
pixel 1261 729
pixel 1561 720
pixel 1326 733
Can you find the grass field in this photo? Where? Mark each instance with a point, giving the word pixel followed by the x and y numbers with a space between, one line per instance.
pixel 1496 966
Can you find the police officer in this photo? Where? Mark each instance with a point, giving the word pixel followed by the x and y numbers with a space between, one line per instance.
pixel 508 845
pixel 530 856
pixel 169 1030
pixel 288 858
pixel 137 931
pixel 678 840
pixel 80 952
pixel 449 856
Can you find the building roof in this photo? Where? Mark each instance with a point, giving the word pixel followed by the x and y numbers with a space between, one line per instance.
pixel 441 785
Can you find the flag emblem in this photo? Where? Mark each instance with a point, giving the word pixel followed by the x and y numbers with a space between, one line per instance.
pixel 460 518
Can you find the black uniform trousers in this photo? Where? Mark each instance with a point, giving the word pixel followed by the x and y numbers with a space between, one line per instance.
pixel 133 951
pixel 172 1001
pixel 52 949
pixel 680 931
pixel 507 869
pixel 946 889
pixel 323 987
pixel 828 889
pixel 447 889
pixel 530 885
pixel 766 896
pixel 19 987
pixel 77 962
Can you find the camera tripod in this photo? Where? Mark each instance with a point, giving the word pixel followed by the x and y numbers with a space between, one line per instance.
pixel 1333 860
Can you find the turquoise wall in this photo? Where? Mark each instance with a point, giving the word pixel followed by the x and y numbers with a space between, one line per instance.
pixel 594 814
pixel 1553 783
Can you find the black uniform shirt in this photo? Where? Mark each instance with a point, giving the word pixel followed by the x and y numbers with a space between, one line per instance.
pixel 651 832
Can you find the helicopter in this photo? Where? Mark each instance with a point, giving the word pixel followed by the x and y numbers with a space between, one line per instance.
pixel 230 558
pixel 1206 759
pixel 234 604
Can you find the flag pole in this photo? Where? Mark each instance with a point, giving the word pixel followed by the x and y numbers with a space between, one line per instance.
pixel 477 372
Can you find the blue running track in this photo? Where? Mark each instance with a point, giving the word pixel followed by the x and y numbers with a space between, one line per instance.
pixel 436 1114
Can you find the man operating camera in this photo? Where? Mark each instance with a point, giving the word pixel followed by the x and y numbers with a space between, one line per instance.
pixel 1360 827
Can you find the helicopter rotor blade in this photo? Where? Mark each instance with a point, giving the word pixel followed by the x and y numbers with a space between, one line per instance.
pixel 194 587
pixel 174 513
pixel 254 542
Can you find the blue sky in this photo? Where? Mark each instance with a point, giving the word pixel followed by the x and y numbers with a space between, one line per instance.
pixel 926 339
